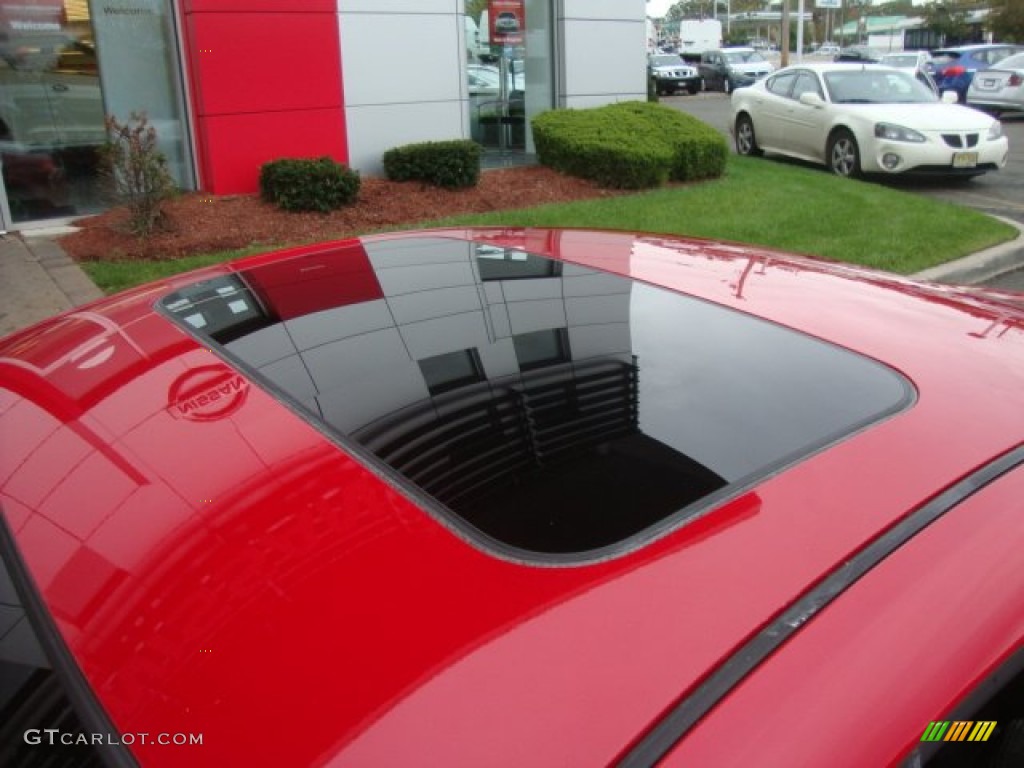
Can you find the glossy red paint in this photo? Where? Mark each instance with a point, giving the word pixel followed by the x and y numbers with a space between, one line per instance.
pixel 266 83
pixel 244 578
pixel 899 650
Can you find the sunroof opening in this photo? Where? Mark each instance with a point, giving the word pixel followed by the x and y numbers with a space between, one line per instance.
pixel 554 409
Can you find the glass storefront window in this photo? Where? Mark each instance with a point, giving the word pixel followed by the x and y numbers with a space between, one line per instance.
pixel 509 72
pixel 61 72
pixel 51 119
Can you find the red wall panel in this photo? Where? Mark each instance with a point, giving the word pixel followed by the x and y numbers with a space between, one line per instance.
pixel 234 146
pixel 248 62
pixel 287 6
pixel 265 85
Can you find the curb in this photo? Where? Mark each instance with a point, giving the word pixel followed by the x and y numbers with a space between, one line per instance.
pixel 980 266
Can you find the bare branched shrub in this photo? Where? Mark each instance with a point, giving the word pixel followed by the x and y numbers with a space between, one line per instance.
pixel 136 172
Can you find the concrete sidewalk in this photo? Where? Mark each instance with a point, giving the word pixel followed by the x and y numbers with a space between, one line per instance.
pixel 38 280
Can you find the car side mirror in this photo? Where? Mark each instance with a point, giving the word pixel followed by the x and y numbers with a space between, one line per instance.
pixel 950 97
pixel 811 99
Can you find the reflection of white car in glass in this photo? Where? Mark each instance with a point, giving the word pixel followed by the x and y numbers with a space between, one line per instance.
pixel 506 23
pixel 50 93
pixel 864 119
pixel 485 83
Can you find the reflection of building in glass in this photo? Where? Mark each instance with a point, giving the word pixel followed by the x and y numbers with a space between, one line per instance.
pixel 500 383
pixel 554 407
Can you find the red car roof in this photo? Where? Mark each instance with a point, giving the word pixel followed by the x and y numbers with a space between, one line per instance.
pixel 232 571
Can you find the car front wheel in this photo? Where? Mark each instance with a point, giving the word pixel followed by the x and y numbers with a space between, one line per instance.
pixel 843 154
pixel 746 141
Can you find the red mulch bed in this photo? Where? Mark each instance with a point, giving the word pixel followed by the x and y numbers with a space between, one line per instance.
pixel 198 223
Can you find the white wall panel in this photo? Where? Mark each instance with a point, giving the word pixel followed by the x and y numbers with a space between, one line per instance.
pixel 501 326
pixel 499 359
pixel 595 284
pixel 599 340
pixel 350 408
pixel 605 9
pixel 426 277
pixel 335 365
pixel 433 250
pixel 402 74
pixel 372 130
pixel 527 290
pixel 332 324
pixel 604 59
pixel 401 6
pixel 263 346
pixel 426 305
pixel 400 59
pixel 445 334
pixel 291 376
pixel 529 316
pixel 597 309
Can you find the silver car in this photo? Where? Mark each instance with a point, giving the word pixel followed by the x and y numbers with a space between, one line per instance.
pixel 999 89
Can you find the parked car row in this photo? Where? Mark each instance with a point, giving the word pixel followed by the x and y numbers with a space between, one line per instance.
pixel 954 69
pixel 721 69
pixel 1000 88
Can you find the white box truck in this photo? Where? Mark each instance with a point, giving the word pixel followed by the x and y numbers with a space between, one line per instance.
pixel 696 37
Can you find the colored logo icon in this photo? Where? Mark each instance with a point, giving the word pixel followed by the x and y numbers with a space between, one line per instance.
pixel 959 730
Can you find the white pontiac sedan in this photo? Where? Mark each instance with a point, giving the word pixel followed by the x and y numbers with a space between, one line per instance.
pixel 858 118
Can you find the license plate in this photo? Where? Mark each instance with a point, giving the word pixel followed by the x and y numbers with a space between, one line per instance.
pixel 988 84
pixel 965 159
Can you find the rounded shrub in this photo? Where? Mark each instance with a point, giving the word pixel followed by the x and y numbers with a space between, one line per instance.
pixel 308 184
pixel 451 164
pixel 629 145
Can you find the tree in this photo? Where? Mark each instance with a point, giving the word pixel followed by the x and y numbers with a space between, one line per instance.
pixel 1007 20
pixel 948 19
pixel 474 8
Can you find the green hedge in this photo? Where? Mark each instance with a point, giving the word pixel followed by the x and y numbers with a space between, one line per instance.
pixel 449 164
pixel 629 145
pixel 308 184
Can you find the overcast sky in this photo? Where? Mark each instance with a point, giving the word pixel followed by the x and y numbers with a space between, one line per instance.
pixel 657 8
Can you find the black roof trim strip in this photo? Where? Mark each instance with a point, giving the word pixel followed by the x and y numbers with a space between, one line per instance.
pixel 688 712
pixel 93 717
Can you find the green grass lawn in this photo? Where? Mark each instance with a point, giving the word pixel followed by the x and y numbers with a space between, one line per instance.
pixel 758 201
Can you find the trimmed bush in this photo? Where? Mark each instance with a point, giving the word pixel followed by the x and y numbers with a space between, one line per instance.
pixel 449 164
pixel 629 145
pixel 308 184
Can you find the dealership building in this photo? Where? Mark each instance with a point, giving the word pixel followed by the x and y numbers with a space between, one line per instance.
pixel 231 84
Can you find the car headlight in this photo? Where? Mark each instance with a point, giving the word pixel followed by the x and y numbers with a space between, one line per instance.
pixel 995 131
pixel 897 133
